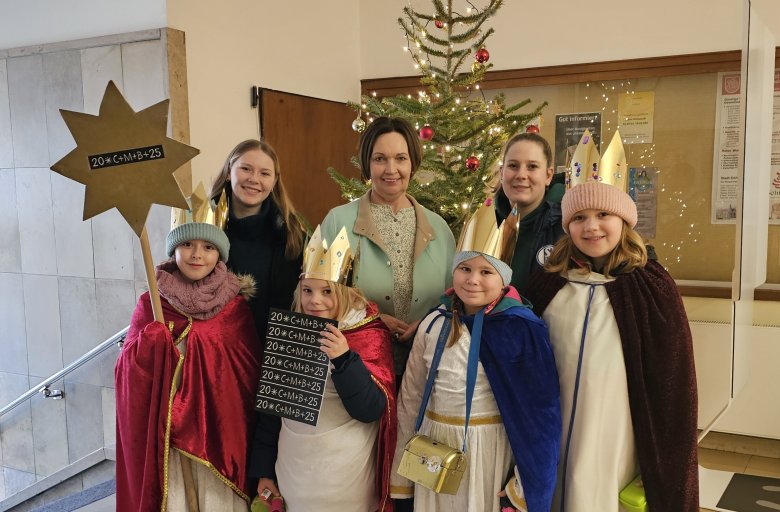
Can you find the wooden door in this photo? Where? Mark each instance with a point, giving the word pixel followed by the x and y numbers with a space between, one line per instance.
pixel 309 135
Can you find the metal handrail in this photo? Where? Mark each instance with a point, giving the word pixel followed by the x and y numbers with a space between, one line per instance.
pixel 43 387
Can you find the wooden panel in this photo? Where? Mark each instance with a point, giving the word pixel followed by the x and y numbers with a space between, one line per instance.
pixel 576 73
pixel 705 291
pixel 176 53
pixel 309 135
pixel 766 294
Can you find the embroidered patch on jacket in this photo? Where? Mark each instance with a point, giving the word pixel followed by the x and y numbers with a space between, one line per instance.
pixel 543 254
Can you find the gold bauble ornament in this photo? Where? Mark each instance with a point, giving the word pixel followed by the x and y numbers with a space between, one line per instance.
pixel 359 125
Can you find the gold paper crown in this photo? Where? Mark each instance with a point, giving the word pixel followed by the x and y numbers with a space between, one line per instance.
pixel 329 263
pixel 201 210
pixel 585 165
pixel 482 234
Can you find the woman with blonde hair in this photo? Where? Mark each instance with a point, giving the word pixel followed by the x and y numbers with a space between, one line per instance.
pixel 266 236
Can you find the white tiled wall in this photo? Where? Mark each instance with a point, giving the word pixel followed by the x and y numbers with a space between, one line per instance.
pixel 6 140
pixel 27 100
pixel 36 220
pixel 65 284
pixel 44 343
pixel 10 258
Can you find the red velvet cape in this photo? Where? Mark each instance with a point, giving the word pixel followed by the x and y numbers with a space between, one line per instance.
pixel 371 340
pixel 658 354
pixel 208 417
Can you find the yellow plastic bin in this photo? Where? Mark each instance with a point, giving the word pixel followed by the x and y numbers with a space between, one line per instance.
pixel 632 497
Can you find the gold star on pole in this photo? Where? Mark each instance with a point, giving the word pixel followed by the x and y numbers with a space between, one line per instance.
pixel 124 158
pixel 127 162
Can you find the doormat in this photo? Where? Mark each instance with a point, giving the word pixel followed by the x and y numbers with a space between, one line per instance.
pixel 750 493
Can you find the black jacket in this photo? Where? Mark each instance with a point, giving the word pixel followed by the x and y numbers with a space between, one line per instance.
pixel 257 248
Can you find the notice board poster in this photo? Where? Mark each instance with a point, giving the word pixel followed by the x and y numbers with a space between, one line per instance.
pixel 774 185
pixel 636 111
pixel 568 132
pixel 728 150
pixel 294 371
pixel 643 189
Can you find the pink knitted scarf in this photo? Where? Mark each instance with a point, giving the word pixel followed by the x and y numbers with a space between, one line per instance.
pixel 202 299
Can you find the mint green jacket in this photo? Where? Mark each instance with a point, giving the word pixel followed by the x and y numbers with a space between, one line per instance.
pixel 434 247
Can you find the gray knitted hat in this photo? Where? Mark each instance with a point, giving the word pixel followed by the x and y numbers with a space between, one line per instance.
pixel 198 231
pixel 504 270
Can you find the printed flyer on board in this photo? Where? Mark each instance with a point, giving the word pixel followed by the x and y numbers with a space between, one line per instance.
pixel 774 186
pixel 728 150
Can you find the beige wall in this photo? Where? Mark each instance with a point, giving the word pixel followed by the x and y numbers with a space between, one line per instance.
pixel 306 48
pixel 322 49
pixel 532 34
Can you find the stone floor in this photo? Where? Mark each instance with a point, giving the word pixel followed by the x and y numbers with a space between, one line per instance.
pixel 740 454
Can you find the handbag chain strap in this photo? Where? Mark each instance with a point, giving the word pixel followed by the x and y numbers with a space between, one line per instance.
pixel 471 374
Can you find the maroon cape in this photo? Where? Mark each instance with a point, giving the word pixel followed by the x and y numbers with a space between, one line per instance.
pixel 658 354
pixel 208 417
pixel 371 340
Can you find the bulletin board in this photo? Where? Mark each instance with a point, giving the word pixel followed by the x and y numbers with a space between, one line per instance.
pixel 684 91
pixel 681 156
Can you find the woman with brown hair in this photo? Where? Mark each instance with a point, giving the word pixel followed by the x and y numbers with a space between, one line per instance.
pixel 529 186
pixel 266 236
pixel 405 250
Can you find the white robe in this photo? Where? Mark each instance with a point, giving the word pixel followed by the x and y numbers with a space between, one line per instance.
pixel 602 456
pixel 213 494
pixel 489 454
pixel 330 467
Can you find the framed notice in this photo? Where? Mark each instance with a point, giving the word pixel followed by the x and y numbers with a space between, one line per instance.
pixel 294 371
pixel 568 132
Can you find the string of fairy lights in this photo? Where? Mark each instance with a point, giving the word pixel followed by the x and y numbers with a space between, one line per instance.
pixel 642 155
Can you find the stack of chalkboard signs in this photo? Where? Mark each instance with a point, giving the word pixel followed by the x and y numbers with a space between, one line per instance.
pixel 294 371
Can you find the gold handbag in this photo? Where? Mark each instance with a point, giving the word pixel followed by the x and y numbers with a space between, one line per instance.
pixel 433 465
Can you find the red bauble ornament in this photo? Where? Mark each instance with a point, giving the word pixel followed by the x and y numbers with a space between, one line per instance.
pixel 482 55
pixel 439 24
pixel 426 132
pixel 472 163
pixel 531 128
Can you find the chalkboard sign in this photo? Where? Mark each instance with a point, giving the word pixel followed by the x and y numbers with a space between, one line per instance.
pixel 294 371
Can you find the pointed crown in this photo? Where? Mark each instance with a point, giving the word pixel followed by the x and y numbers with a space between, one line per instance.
pixel 201 210
pixel 482 233
pixel 331 263
pixel 585 164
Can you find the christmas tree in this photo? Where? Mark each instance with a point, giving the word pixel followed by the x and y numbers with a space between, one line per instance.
pixel 462 131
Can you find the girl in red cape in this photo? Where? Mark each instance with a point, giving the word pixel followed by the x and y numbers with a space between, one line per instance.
pixel 185 388
pixel 342 463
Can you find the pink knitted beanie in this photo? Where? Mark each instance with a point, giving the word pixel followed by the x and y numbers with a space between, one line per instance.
pixel 597 196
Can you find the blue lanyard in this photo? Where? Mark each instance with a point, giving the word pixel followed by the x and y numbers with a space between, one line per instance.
pixel 471 374
pixel 576 391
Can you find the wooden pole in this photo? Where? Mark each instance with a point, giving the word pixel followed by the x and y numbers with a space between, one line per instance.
pixel 190 492
pixel 154 294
